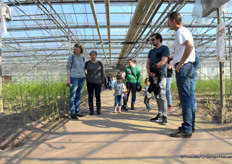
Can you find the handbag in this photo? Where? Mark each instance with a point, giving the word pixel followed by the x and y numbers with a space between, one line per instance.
pixel 140 87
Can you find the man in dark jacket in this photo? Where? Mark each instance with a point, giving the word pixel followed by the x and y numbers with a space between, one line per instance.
pixel 159 55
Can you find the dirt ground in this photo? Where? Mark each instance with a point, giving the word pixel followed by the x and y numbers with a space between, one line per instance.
pixel 16 130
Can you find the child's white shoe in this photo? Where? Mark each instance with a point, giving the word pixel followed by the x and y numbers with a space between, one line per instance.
pixel 119 109
pixel 115 109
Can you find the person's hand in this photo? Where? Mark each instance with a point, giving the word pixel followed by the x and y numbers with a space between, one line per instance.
pixel 69 82
pixel 152 74
pixel 103 85
pixel 178 67
pixel 170 67
pixel 138 87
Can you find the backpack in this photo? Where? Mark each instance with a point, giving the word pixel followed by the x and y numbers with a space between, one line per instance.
pixel 73 60
pixel 197 63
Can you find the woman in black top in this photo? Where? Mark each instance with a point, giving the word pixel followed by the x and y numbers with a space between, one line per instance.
pixel 95 80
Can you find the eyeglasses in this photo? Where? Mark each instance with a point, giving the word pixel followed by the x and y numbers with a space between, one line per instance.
pixel 152 40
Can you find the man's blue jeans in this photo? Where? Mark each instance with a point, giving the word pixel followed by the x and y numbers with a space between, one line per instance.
pixel 132 87
pixel 185 85
pixel 195 101
pixel 75 94
pixel 168 91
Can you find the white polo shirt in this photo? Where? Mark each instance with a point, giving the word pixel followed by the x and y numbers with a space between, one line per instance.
pixel 182 34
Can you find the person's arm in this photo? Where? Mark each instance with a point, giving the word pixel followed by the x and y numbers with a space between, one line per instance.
pixel 115 86
pixel 126 73
pixel 188 49
pixel 102 74
pixel 68 78
pixel 170 65
pixel 163 61
pixel 123 88
pixel 86 67
pixel 138 76
pixel 148 68
pixel 69 71
pixel 164 57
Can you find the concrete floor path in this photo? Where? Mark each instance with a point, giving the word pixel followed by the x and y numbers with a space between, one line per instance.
pixel 127 138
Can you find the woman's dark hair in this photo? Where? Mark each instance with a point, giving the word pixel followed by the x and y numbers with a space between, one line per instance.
pixel 157 36
pixel 79 46
pixel 93 52
pixel 133 60
pixel 175 15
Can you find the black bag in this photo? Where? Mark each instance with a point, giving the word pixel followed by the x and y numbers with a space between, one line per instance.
pixel 138 88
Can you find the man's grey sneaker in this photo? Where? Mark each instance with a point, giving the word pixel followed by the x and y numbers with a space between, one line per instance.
pixel 181 134
pixel 158 118
pixel 164 120
pixel 193 129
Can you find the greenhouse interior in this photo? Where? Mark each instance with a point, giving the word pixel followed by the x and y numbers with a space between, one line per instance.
pixel 37 40
pixel 38 36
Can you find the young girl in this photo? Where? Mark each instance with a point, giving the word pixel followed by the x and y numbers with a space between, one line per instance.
pixel 119 89
pixel 124 97
pixel 147 95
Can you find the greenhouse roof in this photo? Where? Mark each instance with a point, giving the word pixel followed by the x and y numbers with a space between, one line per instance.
pixel 42 32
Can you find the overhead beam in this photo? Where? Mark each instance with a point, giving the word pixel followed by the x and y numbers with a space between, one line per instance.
pixel 165 36
pixel 96 22
pixel 107 6
pixel 30 2
pixel 133 25
pixel 96 42
pixel 144 18
pixel 103 26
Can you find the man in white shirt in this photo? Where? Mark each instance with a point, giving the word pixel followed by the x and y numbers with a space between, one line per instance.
pixel 183 58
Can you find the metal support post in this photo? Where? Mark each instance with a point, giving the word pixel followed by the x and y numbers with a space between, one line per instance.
pixel 230 61
pixel 222 112
pixel 1 99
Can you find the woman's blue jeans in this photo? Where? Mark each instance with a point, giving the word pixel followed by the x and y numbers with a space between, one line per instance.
pixel 168 91
pixel 132 88
pixel 186 89
pixel 75 94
